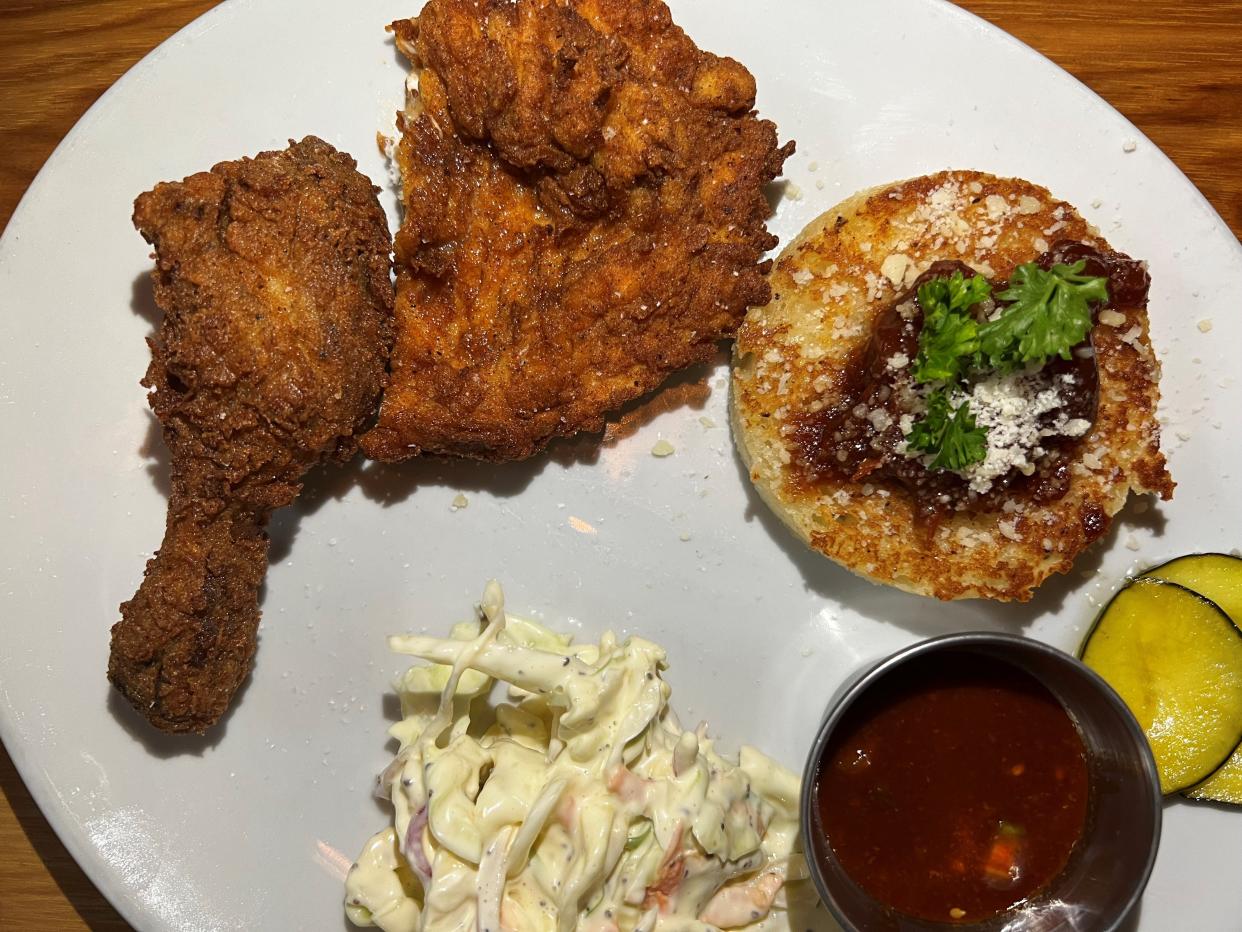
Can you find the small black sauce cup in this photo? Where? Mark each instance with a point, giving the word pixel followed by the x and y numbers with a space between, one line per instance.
pixel 1111 862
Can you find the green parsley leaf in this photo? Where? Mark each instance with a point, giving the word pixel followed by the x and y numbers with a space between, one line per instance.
pixel 1050 313
pixel 949 338
pixel 949 433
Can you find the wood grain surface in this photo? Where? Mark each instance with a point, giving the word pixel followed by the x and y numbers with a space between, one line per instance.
pixel 1173 68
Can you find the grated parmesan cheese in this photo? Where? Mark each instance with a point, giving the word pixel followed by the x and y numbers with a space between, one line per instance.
pixel 1009 529
pixel 662 448
pixel 895 266
pixel 1014 408
pixel 1028 205
pixel 996 206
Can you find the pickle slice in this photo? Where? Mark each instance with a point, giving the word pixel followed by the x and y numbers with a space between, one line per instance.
pixel 1223 786
pixel 1215 576
pixel 1176 660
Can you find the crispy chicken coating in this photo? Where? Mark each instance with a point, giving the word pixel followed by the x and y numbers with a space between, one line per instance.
pixel 273 274
pixel 584 215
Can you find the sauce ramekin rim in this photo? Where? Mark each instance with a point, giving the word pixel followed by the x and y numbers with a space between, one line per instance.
pixel 1003 643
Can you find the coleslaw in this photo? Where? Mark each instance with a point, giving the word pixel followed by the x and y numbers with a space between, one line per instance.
pixel 577 802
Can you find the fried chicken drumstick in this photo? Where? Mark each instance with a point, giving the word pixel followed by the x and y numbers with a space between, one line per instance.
pixel 584 215
pixel 273 275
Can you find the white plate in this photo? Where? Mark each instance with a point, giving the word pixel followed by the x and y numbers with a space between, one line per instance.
pixel 251 827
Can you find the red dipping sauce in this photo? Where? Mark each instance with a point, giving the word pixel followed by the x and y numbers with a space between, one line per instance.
pixel 954 789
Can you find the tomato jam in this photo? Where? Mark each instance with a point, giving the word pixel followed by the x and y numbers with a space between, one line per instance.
pixel 953 789
pixel 859 436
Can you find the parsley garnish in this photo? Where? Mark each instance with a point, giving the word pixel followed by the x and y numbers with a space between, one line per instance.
pixel 950 335
pixel 949 433
pixel 1050 313
pixel 948 344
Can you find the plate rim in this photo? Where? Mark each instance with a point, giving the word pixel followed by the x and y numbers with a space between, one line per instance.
pixel 122 896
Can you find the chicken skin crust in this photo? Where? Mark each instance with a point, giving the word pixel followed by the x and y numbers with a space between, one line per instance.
pixel 584 215
pixel 273 275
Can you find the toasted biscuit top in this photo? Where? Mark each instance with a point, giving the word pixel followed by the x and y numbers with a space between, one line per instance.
pixel 829 286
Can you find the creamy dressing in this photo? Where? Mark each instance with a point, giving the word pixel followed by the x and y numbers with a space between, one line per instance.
pixel 578 802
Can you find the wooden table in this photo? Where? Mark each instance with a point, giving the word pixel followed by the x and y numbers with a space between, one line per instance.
pixel 1173 68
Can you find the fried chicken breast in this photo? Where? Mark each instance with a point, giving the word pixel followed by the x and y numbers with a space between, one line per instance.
pixel 273 275
pixel 584 215
pixel 895 520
